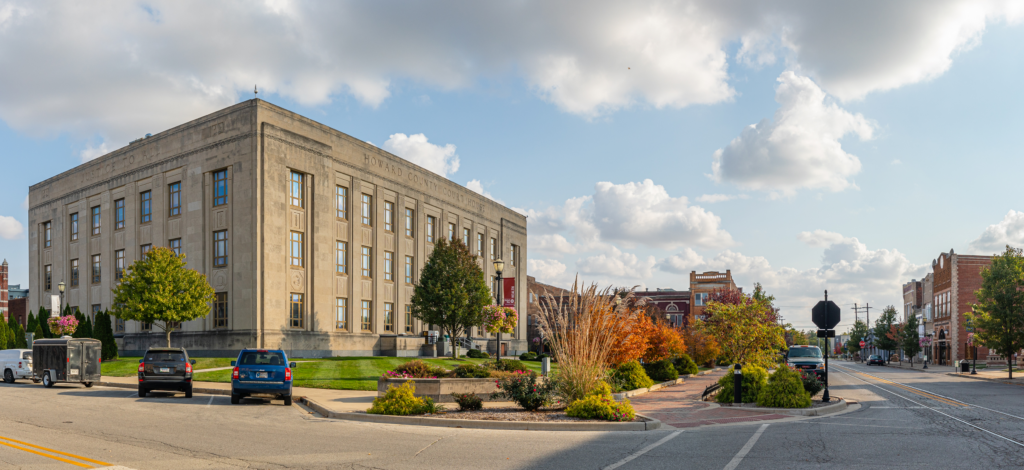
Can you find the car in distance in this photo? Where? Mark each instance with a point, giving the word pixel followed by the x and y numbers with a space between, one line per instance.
pixel 806 359
pixel 16 364
pixel 167 369
pixel 261 373
pixel 875 359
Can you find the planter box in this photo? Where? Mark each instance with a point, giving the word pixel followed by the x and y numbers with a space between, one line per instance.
pixel 441 390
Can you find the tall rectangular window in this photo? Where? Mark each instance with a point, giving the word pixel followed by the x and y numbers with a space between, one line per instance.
pixel 296 249
pixel 220 248
pixel 389 216
pixel 494 249
pixel 513 255
pixel 341 314
pixel 408 318
pixel 174 199
pixel 389 316
pixel 96 269
pixel 143 249
pixel 119 214
pixel 74 226
pixel 480 244
pixel 220 187
pixel 295 316
pixel 408 269
pixel 364 317
pixel 176 246
pixel 389 266
pixel 118 264
pixel 367 210
pixel 367 263
pixel 431 224
pixel 74 273
pixel 47 235
pixel 118 325
pixel 146 207
pixel 408 222
pixel 451 232
pixel 220 310
pixel 342 258
pixel 341 201
pixel 465 237
pixel 96 220
pixel 146 326
pixel 297 187
pixel 48 276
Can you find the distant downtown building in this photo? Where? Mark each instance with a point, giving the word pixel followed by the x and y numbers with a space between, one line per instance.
pixel 956 278
pixel 681 308
pixel 312 239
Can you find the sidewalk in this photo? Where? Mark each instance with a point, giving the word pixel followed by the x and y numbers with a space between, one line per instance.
pixel 680 406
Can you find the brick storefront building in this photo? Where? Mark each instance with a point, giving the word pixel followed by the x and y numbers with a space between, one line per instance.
pixel 956 278
pixel 3 291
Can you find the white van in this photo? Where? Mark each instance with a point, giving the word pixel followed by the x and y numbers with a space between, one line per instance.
pixel 16 364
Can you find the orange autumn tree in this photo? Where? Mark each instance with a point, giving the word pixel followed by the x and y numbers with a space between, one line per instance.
pixel 633 343
pixel 702 347
pixel 663 342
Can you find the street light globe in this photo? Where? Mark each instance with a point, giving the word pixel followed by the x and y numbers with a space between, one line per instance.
pixel 499 265
pixel 60 287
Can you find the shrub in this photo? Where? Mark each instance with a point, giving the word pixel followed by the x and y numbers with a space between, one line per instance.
pixel 417 369
pixel 602 389
pixel 661 371
pixel 471 371
pixel 754 379
pixel 468 401
pixel 503 374
pixel 525 390
pixel 601 407
pixel 485 355
pixel 510 365
pixel 685 366
pixel 811 383
pixel 401 401
pixel 528 356
pixel 631 376
pixel 784 390
pixel 541 356
pixel 474 353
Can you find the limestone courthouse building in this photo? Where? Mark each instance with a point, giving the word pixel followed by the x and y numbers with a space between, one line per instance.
pixel 312 240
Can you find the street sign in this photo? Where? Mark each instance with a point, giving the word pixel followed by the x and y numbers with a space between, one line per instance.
pixel 825 314
pixel 862 344
pixel 826 333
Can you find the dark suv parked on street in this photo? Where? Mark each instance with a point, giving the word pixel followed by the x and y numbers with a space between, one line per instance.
pixel 166 369
pixel 262 372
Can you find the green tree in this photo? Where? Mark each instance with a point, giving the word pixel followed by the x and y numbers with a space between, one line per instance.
pixel 30 325
pixel 42 318
pixel 80 332
pixel 911 338
pixel 5 336
pixel 998 317
pixel 747 332
pixel 159 288
pixel 104 332
pixel 858 333
pixel 452 292
pixel 883 326
pixel 40 334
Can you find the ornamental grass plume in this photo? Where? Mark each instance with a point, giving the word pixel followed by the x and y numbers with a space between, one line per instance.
pixel 581 329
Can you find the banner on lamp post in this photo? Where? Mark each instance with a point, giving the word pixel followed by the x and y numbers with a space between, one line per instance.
pixel 55 306
pixel 508 293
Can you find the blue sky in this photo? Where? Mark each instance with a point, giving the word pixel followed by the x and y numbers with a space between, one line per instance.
pixel 884 133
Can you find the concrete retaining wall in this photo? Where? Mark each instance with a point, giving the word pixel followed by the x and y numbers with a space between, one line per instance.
pixel 441 390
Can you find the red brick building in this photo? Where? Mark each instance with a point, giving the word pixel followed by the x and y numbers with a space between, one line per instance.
pixel 4 307
pixel 956 278
pixel 674 304
pixel 538 293
pixel 703 284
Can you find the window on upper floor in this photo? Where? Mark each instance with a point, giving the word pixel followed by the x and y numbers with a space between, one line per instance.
pixel 146 207
pixel 220 187
pixel 174 199
pixel 119 214
pixel 96 220
pixel 341 202
pixel 297 181
pixel 74 226
pixel 409 213
pixel 389 216
pixel 47 235
pixel 367 210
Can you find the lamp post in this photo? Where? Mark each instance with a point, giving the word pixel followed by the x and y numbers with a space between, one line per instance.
pixel 499 266
pixel 60 288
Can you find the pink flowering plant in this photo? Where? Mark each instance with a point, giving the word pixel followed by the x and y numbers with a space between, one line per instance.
pixel 925 341
pixel 65 325
pixel 500 319
pixel 526 389
pixel 417 369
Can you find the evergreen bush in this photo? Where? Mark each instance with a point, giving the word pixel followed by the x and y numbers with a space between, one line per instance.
pixel 105 333
pixel 784 390
pixel 754 379
pixel 528 356
pixel 661 371
pixel 631 376
pixel 685 365
pixel 601 389
pixel 471 371
pixel 5 336
pixel 474 354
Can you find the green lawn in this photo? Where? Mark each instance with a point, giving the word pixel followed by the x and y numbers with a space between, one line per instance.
pixel 129 366
pixel 349 373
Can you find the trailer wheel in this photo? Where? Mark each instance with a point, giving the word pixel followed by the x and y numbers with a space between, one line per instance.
pixel 47 380
pixel 8 376
pixel 87 384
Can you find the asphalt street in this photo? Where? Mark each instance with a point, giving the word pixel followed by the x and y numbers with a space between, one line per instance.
pixel 905 419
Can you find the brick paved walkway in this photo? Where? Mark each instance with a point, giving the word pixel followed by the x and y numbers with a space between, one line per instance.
pixel 680 406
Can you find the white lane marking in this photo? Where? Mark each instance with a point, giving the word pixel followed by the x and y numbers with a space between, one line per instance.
pixel 746 448
pixel 937 411
pixel 854 424
pixel 211 400
pixel 642 451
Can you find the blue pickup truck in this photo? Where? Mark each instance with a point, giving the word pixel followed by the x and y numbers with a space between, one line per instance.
pixel 262 373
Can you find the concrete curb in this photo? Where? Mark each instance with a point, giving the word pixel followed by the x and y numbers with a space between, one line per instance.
pixel 820 411
pixel 1002 381
pixel 640 391
pixel 208 391
pixel 481 424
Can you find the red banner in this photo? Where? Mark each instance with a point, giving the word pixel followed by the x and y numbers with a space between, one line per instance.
pixel 508 294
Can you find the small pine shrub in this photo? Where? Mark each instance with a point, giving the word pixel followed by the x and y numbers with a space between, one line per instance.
pixel 471 371
pixel 784 390
pixel 661 371
pixel 631 376
pixel 509 365
pixel 474 354
pixel 754 379
pixel 468 401
pixel 525 390
pixel 601 407
pixel 528 356
pixel 401 401
pixel 417 369
pixel 811 383
pixel 685 365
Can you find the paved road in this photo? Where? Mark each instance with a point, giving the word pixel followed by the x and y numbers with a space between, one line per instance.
pixel 906 419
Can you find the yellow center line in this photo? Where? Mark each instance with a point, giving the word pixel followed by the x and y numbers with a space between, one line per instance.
pixel 914 391
pixel 105 464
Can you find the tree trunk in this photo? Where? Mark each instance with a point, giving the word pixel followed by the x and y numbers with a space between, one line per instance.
pixel 168 330
pixel 455 347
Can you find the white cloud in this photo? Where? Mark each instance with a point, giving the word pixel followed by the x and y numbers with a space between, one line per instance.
pixel 10 228
pixel 712 198
pixel 799 148
pixel 1009 231
pixel 896 161
pixel 820 238
pixel 478 187
pixel 416 149
pixel 551 243
pixel 615 263
pixel 682 263
pixel 92 152
pixel 548 271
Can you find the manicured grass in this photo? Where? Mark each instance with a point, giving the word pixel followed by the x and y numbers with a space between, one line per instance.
pixel 129 366
pixel 350 373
